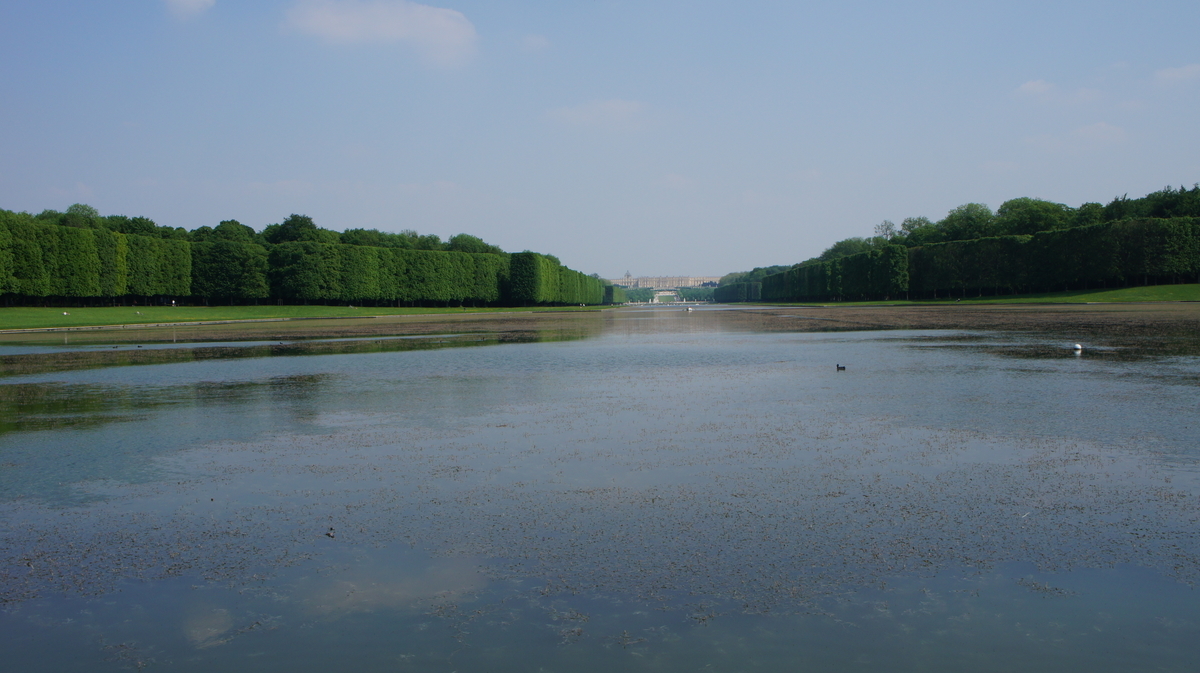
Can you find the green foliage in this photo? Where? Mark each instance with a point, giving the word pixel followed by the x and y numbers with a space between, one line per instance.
pixel 360 273
pixel 229 270
pixel 82 254
pixel 753 276
pixel 143 258
pixel 299 228
pixel 305 271
pixel 7 282
pixel 696 293
pixel 75 270
pixel 138 226
pixel 80 216
pixel 614 294
pixel 491 275
pixel 49 260
pixel 1029 216
pixel 468 243
pixel 879 273
pixel 527 278
pixel 968 221
pixel 918 231
pixel 234 232
pixel 640 295
pixel 541 279
pixel 1165 203
pixel 112 248
pixel 847 247
pixel 738 292
pixel 1141 250
pixel 30 275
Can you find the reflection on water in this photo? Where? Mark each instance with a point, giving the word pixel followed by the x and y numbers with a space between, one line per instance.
pixel 678 491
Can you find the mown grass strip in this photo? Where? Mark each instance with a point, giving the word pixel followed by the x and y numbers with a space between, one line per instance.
pixel 1184 292
pixel 42 318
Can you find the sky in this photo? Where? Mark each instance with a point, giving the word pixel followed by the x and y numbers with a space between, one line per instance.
pixel 659 138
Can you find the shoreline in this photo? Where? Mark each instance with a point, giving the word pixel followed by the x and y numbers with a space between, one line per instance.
pixel 1093 318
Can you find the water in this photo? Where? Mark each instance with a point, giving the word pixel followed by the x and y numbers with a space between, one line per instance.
pixel 674 492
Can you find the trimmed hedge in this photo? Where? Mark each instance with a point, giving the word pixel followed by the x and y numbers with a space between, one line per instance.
pixel 882 273
pixel 737 292
pixel 540 279
pixel 49 260
pixel 1127 252
pixel 229 270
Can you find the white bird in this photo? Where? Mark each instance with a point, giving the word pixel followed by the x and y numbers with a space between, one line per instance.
pixel 1078 347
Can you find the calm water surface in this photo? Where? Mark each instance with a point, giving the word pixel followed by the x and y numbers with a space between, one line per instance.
pixel 674 493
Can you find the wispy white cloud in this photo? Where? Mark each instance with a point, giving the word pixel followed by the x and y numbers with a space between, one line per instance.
pixel 610 114
pixel 189 8
pixel 443 37
pixel 1187 73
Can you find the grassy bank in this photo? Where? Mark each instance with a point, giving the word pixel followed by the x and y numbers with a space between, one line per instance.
pixel 33 317
pixel 1187 292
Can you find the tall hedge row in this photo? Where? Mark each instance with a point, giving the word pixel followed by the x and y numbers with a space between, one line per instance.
pixel 1126 252
pixel 47 260
pixel 302 271
pixel 41 260
pixel 736 292
pixel 882 273
pixel 540 279
pixel 614 294
pixel 228 270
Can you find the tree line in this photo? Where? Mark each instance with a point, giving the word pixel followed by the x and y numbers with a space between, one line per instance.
pixel 78 255
pixel 1028 245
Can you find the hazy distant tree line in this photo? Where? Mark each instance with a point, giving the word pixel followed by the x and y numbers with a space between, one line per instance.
pixel 1028 245
pixel 80 256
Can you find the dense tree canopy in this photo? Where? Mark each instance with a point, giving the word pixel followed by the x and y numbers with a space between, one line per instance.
pixel 79 254
pixel 1028 244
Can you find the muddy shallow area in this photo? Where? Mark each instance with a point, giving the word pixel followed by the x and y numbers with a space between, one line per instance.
pixel 640 488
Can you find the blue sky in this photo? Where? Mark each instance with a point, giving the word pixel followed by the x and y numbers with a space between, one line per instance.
pixel 662 138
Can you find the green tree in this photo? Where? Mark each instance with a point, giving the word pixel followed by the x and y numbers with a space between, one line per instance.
pixel 1088 214
pixel 7 282
pixel 847 247
pixel 234 232
pixel 299 228
pixel 369 237
pixel 81 216
pixel 968 221
pixel 112 248
pixel 305 271
pixel 1029 216
pixel 203 234
pixel 468 243
pixel 229 270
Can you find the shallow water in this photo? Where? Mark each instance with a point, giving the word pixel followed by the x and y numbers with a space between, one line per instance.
pixel 676 492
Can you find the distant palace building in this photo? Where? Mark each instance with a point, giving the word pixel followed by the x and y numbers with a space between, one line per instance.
pixel 665 282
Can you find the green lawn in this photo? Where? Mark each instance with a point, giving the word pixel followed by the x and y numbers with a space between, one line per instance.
pixel 26 318
pixel 1188 292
